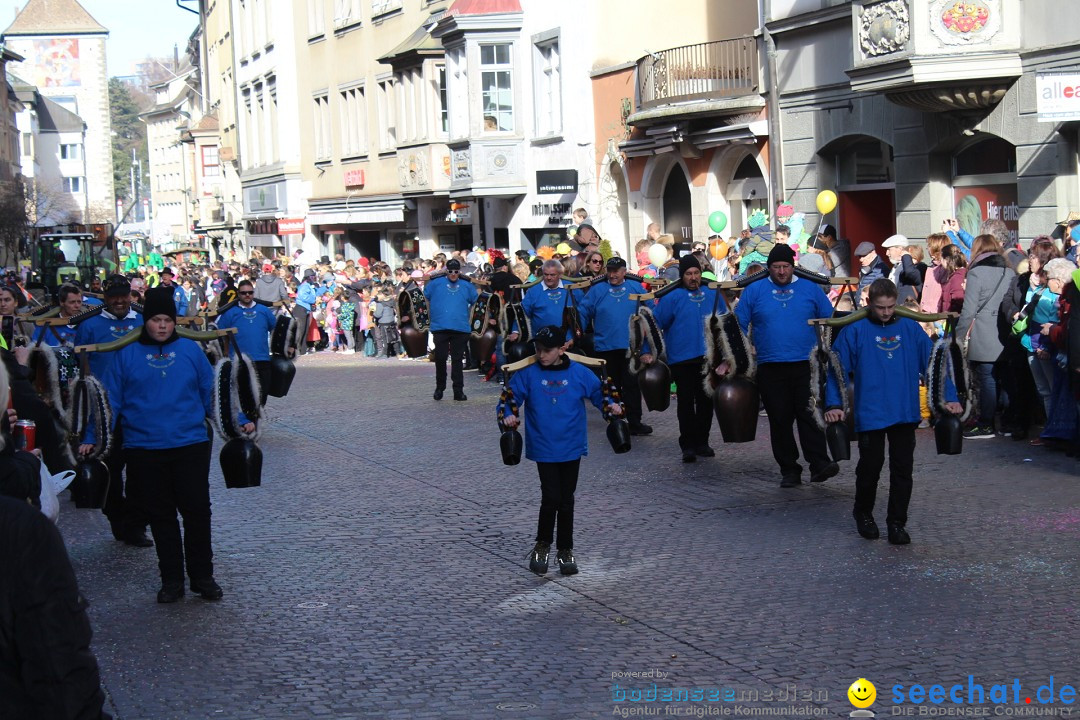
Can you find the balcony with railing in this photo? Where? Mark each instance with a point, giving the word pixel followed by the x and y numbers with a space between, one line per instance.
pixel 724 69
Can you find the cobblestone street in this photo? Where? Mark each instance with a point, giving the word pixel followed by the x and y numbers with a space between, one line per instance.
pixel 380 571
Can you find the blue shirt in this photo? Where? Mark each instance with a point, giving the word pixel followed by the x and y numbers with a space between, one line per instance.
pixel 253 327
pixel 104 328
pixel 449 304
pixel 554 412
pixel 681 314
pixel 609 309
pixel 544 306
pixel 777 316
pixel 47 334
pixel 886 362
pixel 307 294
pixel 160 394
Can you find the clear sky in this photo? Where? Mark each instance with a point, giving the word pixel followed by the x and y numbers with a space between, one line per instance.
pixel 137 28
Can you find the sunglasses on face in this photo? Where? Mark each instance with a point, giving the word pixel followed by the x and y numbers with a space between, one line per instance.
pixel 247 292
pixel 596 261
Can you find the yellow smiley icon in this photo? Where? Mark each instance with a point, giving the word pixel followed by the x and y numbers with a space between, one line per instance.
pixel 862 693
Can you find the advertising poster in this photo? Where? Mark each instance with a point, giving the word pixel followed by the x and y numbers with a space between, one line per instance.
pixel 982 202
pixel 57 63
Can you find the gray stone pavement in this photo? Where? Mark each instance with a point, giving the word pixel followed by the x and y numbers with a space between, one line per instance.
pixel 380 572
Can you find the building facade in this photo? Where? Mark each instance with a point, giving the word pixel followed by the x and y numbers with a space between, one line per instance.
pixel 915 111
pixel 64 49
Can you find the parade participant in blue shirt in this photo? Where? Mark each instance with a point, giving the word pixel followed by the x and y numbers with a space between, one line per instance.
pixel 608 307
pixel 114 322
pixel 160 390
pixel 552 391
pixel 681 315
pixel 179 296
pixel 449 299
pixel 253 323
pixel 307 294
pixel 71 303
pixel 776 309
pixel 885 354
pixel 545 303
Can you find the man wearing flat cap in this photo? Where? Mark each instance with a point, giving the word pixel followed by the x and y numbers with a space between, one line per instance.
pixel 776 310
pixel 871 266
pixel 681 315
pixel 450 299
pixel 608 307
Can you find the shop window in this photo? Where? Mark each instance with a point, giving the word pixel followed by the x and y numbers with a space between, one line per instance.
pixel 867 162
pixel 992 155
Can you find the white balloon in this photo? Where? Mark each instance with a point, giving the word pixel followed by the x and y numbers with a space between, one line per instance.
pixel 658 254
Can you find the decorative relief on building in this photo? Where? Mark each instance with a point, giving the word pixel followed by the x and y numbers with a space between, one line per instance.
pixel 413 172
pixel 965 23
pixel 884 28
pixel 459 160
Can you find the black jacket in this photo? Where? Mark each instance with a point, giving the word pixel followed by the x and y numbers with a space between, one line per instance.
pixel 47 671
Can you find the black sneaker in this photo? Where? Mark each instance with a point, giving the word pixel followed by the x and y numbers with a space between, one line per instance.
pixel 704 451
pixel 138 538
pixel 538 558
pixel 688 456
pixel 460 396
pixel 979 432
pixel 207 589
pixel 171 591
pixel 790 481
pixel 567 563
pixel 438 395
pixel 640 429
pixel 898 535
pixel 864 521
pixel 830 470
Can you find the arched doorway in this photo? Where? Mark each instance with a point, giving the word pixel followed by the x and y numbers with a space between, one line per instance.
pixel 865 189
pixel 676 205
pixel 984 185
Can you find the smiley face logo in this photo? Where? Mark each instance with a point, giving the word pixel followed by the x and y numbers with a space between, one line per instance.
pixel 862 693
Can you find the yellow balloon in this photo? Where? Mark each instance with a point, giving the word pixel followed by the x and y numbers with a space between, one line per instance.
pixel 826 202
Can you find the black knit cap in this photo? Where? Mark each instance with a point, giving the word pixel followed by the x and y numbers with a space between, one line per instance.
pixel 159 301
pixel 686 262
pixel 781 253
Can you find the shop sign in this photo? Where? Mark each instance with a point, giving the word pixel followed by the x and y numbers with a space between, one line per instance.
pixel 983 202
pixel 556 182
pixel 291 226
pixel 557 213
pixel 1058 97
pixel 355 178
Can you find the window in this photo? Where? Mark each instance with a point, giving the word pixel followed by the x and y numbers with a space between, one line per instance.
pixel 352 107
pixel 346 13
pixel 496 90
pixel 73 184
pixel 381 7
pixel 211 167
pixel 69 152
pixel 444 109
pixel 316 22
pixel 323 143
pixel 387 115
pixel 410 101
pixel 548 84
pixel 27 144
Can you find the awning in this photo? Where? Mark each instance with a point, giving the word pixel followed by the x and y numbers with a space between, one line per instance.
pixel 264 241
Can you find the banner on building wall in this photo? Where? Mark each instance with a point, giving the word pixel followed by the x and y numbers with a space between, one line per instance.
pixel 556 182
pixel 56 63
pixel 291 226
pixel 982 202
pixel 1058 97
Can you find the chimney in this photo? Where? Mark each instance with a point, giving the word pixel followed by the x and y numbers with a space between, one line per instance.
pixel 175 57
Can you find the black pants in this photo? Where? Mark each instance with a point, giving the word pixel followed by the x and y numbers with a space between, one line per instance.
pixel 558 483
pixel 618 369
pixel 125 516
pixel 872 459
pixel 695 408
pixel 785 392
pixel 303 321
pixel 262 369
pixel 163 482
pixel 387 340
pixel 454 344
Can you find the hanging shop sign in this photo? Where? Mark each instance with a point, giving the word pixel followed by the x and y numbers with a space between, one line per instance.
pixel 556 182
pixel 1057 97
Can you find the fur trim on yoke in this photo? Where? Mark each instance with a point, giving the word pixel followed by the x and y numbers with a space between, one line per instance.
pixel 945 357
pixel 226 402
pixel 282 335
pixel 643 328
pixel 726 342
pixel 825 363
pixel 246 382
pixel 45 375
pixel 86 315
pixel 90 401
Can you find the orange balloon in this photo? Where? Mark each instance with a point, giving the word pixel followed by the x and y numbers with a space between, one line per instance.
pixel 718 249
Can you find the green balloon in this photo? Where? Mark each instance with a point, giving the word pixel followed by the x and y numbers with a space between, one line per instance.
pixel 718 221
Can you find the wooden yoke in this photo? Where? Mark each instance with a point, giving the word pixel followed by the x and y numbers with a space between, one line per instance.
pixel 900 311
